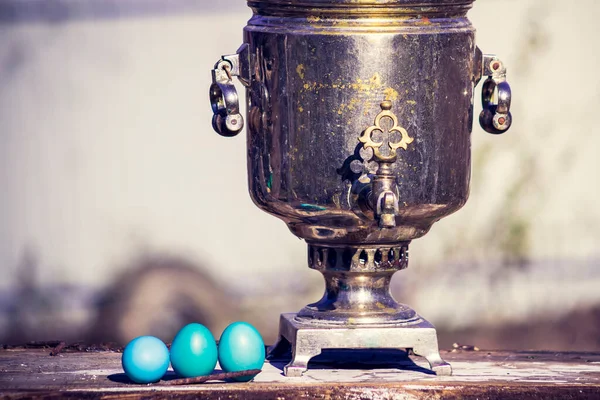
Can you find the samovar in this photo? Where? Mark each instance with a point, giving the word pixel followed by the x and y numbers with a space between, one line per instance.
pixel 359 116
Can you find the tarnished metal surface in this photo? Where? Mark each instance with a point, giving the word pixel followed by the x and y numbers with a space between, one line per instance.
pixel 320 72
pixel 319 84
pixel 358 279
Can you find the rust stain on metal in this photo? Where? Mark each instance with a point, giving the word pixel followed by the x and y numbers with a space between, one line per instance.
pixel 391 94
pixel 361 85
pixel 300 70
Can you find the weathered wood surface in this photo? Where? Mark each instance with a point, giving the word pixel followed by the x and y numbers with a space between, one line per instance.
pixel 26 373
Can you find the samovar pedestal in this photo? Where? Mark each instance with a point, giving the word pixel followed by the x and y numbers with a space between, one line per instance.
pixel 308 338
pixel 357 310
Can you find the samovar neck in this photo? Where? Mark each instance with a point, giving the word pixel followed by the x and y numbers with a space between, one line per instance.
pixel 368 8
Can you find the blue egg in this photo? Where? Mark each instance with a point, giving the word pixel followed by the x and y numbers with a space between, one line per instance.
pixel 241 348
pixel 145 359
pixel 193 351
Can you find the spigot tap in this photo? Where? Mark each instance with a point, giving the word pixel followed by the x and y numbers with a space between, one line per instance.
pixel 384 197
pixel 386 206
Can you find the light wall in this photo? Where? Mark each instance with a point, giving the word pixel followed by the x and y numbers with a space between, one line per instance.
pixel 107 153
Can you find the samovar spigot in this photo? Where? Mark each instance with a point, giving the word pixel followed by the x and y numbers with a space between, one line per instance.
pixel 383 198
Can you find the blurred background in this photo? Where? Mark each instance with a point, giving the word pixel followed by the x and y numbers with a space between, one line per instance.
pixel 118 217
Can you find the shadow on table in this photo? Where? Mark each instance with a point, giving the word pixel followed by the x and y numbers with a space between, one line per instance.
pixel 363 359
pixel 120 378
pixel 169 376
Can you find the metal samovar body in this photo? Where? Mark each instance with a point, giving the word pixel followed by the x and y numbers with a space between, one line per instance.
pixel 359 117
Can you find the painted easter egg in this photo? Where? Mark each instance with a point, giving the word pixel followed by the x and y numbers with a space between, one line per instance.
pixel 241 348
pixel 145 359
pixel 193 351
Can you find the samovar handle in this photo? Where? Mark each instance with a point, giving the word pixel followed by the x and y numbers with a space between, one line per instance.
pixel 227 119
pixel 495 96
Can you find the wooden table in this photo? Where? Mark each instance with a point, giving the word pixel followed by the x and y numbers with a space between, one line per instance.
pixel 27 373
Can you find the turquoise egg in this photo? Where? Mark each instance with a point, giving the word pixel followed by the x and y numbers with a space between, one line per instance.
pixel 193 351
pixel 241 348
pixel 145 359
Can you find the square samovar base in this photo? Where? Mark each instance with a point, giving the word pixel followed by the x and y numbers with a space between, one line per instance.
pixel 308 338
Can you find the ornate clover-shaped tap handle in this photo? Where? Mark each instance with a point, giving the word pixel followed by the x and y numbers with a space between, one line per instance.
pixel 383 198
pixel 367 136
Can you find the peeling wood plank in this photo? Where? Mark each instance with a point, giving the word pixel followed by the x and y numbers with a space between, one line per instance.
pixel 33 373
